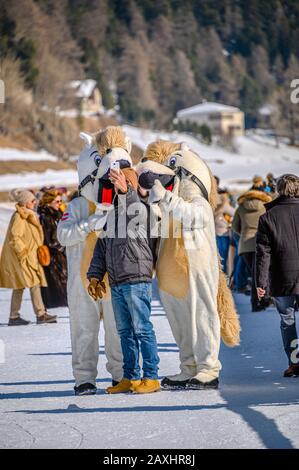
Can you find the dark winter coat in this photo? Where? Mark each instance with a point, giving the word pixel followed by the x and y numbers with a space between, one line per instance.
pixel 246 218
pixel 55 295
pixel 277 247
pixel 126 259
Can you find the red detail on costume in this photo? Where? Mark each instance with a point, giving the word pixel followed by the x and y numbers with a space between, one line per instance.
pixel 107 196
pixel 169 188
pixel 65 216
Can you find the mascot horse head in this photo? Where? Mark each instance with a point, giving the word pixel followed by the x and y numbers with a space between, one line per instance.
pixel 94 163
pixel 113 146
pixel 178 169
pixel 87 166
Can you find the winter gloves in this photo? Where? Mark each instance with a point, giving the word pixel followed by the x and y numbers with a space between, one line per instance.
pixel 96 288
pixel 156 193
pixel 95 222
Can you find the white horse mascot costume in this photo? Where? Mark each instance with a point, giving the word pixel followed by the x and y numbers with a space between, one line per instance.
pixel 83 219
pixel 193 289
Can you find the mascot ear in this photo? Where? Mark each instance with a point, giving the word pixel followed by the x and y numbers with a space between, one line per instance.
pixel 184 147
pixel 87 138
pixel 128 145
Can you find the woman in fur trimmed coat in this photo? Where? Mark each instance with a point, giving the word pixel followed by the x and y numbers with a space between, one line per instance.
pixel 55 295
pixel 19 265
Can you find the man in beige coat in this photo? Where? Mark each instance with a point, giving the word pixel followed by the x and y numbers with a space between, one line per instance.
pixel 19 266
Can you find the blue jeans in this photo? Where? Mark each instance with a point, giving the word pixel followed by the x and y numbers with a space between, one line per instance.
pixel 241 273
pixel 223 242
pixel 286 309
pixel 132 308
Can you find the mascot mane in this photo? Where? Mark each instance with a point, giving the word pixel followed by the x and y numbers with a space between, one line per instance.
pixel 159 151
pixel 111 137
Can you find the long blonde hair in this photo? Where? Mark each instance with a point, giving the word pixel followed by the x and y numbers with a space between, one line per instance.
pixel 48 197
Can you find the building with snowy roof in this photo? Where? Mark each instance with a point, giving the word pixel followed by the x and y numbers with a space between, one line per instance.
pixel 84 95
pixel 220 118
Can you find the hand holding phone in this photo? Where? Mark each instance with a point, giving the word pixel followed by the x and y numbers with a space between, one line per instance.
pixel 114 166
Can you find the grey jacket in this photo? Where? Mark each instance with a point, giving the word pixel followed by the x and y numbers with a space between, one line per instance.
pixel 127 257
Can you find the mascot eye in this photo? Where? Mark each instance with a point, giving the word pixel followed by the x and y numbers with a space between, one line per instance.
pixel 97 160
pixel 172 162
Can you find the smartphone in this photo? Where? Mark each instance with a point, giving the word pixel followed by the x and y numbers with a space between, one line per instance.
pixel 114 166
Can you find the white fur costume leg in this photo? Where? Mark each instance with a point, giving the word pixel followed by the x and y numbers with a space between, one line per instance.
pixel 84 312
pixel 194 318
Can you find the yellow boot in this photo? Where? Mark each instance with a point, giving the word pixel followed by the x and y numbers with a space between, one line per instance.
pixel 148 386
pixel 124 386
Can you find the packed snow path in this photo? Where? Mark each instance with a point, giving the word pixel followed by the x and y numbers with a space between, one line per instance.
pixel 254 408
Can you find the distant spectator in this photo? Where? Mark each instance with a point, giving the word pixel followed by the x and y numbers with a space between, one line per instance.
pixel 277 262
pixel 270 183
pixel 19 265
pixel 223 219
pixel 238 272
pixel 245 223
pixel 258 183
pixel 55 295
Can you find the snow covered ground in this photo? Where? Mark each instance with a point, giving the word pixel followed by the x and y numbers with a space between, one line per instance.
pixel 254 408
pixel 7 154
pixel 38 180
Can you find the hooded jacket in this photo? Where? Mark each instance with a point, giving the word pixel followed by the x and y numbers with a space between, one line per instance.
pixel 245 222
pixel 126 258
pixel 277 248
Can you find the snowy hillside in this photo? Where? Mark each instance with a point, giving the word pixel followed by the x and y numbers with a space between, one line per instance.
pixel 256 155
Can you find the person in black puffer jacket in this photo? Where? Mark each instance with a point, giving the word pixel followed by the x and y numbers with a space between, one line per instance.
pixel 126 255
pixel 277 261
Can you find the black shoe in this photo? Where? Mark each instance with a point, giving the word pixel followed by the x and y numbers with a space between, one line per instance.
pixel 194 384
pixel 85 389
pixel 46 318
pixel 168 384
pixel 292 371
pixel 18 322
pixel 114 383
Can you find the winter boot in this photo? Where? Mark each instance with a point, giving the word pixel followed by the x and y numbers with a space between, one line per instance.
pixel 292 371
pixel 46 318
pixel 124 386
pixel 19 321
pixel 169 384
pixel 85 389
pixel 195 384
pixel 148 386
